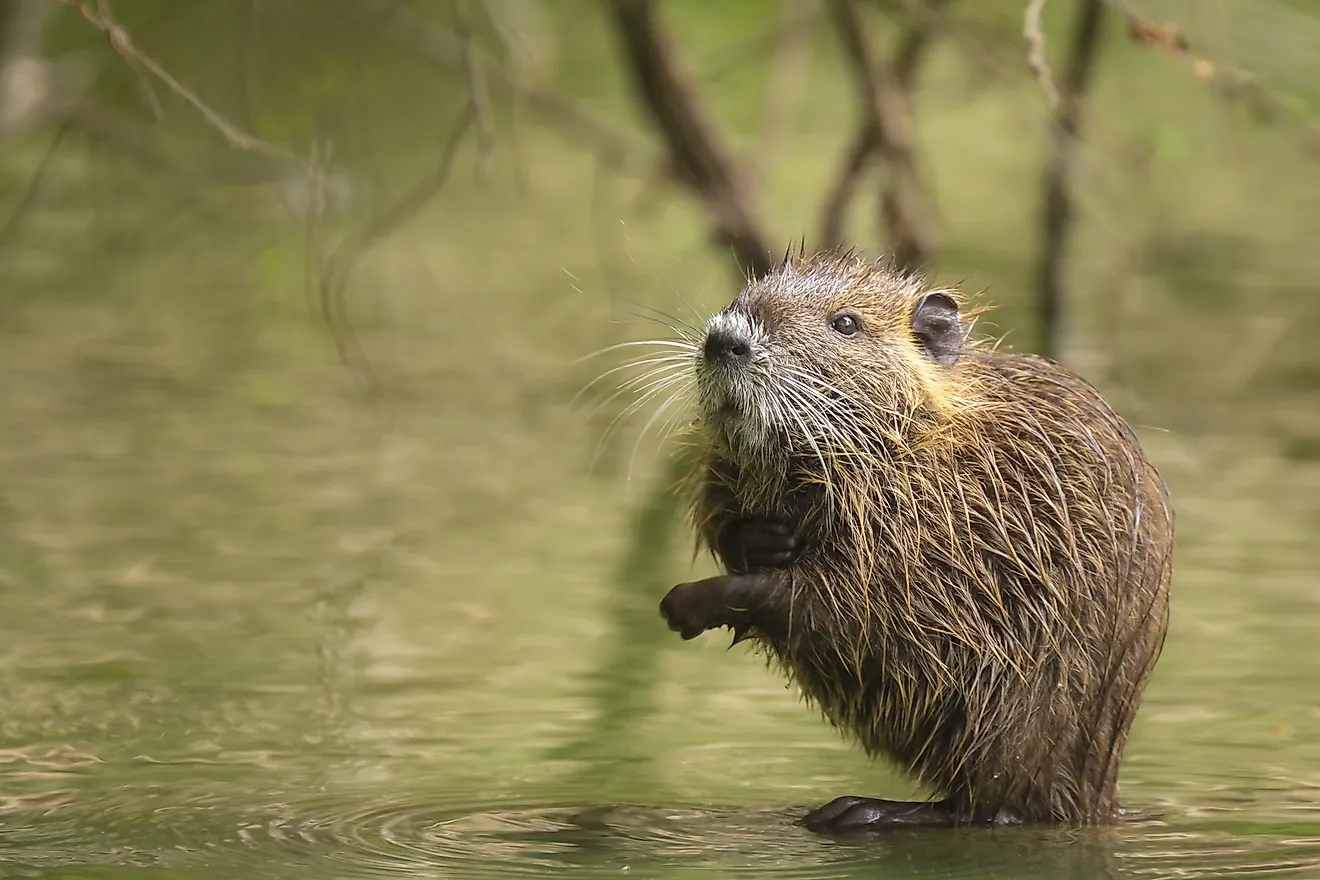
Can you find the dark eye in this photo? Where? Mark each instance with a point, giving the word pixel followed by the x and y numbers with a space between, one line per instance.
pixel 845 325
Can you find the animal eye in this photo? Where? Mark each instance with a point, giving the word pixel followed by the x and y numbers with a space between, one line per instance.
pixel 845 325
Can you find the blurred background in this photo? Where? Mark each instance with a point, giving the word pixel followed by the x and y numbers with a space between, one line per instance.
pixel 313 560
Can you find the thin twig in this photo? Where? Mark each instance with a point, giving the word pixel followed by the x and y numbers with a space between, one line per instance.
pixel 617 150
pixel 144 82
pixel 477 92
pixel 313 250
pixel 1232 83
pixel 865 144
pixel 1057 212
pixel 1035 37
pixel 102 19
pixel 906 212
pixel 247 62
pixel 923 27
pixel 30 194
pixel 339 266
pixel 734 59
pixel 697 157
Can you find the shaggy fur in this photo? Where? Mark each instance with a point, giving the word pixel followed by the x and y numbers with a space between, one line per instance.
pixel 983 590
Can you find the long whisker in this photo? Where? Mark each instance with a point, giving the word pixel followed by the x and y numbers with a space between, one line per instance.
pixel 861 441
pixel 824 470
pixel 830 406
pixel 647 427
pixel 643 385
pixel 673 290
pixel 651 393
pixel 805 394
pixel 663 343
pixel 658 359
pixel 821 384
pixel 824 428
pixel 673 322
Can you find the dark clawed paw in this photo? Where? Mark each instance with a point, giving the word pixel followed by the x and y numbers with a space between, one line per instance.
pixel 767 543
pixel 851 813
pixel 686 608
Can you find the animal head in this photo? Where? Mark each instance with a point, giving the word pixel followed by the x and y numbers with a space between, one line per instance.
pixel 826 356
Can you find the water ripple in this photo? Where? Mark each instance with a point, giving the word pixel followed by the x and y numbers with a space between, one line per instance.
pixel 362 834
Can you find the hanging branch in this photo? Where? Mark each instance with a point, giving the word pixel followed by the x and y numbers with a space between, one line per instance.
pixel 99 16
pixel 476 82
pixel 698 160
pixel 1231 83
pixel 339 266
pixel 906 212
pixel 1057 209
pixel 615 149
pixel 1035 38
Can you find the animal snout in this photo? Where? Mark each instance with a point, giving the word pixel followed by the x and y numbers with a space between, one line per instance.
pixel 725 345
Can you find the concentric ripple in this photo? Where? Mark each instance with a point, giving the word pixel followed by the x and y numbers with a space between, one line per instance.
pixel 368 834
pixel 506 841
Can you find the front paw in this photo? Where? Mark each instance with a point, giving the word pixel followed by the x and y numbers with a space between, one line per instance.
pixel 764 544
pixel 691 609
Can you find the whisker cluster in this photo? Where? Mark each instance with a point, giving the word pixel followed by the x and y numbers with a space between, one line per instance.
pixel 662 371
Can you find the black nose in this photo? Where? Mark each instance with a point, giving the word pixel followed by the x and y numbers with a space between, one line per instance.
pixel 724 346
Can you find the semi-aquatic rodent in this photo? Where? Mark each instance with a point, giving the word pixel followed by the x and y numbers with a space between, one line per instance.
pixel 961 556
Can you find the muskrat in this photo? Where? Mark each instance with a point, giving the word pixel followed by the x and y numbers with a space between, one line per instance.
pixel 961 556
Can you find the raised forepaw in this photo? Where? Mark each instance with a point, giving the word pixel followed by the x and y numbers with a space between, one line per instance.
pixel 759 544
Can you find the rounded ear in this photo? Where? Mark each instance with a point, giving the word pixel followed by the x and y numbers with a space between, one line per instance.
pixel 935 323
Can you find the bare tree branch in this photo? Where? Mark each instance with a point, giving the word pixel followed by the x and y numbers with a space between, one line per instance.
pixel 1057 213
pixel 340 265
pixel 10 227
pixel 1035 37
pixel 857 159
pixel 923 17
pixel 698 159
pixel 615 149
pixel 247 61
pixel 1233 84
pixel 906 213
pixel 102 19
pixel 476 78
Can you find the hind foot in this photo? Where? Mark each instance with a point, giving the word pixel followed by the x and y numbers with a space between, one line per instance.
pixel 850 813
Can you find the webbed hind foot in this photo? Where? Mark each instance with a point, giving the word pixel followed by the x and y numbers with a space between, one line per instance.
pixel 851 813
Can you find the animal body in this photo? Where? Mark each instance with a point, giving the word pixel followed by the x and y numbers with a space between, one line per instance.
pixel 961 556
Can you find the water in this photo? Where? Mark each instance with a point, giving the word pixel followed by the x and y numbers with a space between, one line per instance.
pixel 298 636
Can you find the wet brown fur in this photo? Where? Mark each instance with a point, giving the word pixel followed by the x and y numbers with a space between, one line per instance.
pixel 983 590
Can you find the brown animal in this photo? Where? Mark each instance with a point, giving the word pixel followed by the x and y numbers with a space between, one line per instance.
pixel 961 556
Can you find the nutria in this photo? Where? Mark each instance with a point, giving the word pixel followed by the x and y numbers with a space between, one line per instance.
pixel 961 556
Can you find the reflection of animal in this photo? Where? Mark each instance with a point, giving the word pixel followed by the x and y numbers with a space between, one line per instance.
pixel 961 556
